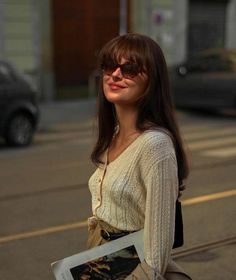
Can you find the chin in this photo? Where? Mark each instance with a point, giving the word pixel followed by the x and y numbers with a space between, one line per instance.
pixel 119 98
pixel 113 96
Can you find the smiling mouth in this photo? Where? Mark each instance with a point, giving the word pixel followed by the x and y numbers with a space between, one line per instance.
pixel 115 86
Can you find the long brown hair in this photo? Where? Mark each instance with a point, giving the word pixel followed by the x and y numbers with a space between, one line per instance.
pixel 156 105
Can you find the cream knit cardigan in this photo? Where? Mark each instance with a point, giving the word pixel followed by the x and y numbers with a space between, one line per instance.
pixel 138 191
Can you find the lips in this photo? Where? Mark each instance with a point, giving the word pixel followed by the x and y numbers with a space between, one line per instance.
pixel 115 86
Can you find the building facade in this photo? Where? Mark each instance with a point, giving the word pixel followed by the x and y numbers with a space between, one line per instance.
pixel 56 41
pixel 184 27
pixel 25 40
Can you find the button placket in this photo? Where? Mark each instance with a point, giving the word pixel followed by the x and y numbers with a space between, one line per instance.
pixel 100 181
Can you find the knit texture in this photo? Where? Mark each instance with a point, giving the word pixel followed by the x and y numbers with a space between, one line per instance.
pixel 138 191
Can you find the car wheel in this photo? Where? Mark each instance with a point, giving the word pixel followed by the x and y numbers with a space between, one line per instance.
pixel 20 130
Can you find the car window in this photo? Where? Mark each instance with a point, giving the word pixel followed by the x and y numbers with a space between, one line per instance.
pixel 5 74
pixel 196 65
pixel 209 64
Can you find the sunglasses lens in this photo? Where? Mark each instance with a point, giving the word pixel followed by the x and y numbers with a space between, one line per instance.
pixel 109 67
pixel 130 70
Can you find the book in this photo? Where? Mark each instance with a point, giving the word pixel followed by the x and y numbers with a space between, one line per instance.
pixel 113 260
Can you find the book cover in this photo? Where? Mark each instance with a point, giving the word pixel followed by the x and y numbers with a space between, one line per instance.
pixel 113 260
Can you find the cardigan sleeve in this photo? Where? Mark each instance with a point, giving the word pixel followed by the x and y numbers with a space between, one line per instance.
pixel 161 183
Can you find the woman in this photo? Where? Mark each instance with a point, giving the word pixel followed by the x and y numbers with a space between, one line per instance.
pixel 139 154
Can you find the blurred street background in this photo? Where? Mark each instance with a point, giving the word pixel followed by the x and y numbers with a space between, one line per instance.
pixel 44 197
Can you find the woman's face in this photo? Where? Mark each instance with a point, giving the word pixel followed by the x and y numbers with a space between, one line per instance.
pixel 121 89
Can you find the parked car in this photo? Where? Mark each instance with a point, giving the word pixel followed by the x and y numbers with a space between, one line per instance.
pixel 206 81
pixel 19 111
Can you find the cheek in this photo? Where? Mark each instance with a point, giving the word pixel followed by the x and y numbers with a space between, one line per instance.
pixel 104 85
pixel 141 87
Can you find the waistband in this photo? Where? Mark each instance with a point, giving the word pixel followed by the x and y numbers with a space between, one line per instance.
pixel 93 222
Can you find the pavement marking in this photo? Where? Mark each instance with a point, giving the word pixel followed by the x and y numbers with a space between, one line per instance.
pixel 192 127
pixel 198 135
pixel 204 198
pixel 60 228
pixel 211 143
pixel 45 231
pixel 214 142
pixel 224 152
pixel 203 247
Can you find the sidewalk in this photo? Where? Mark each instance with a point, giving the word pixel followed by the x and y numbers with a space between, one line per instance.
pixel 59 112
pixel 213 264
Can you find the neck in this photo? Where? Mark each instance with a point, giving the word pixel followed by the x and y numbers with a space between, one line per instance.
pixel 127 117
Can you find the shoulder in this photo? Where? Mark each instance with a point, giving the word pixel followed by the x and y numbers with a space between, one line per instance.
pixel 157 138
pixel 158 144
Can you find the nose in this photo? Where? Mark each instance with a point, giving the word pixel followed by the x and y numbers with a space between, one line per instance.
pixel 117 74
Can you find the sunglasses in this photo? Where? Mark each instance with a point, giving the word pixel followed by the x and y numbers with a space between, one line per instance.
pixel 128 70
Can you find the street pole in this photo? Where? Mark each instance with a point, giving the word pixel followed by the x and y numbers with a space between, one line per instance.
pixel 1 30
pixel 46 50
pixel 149 17
pixel 123 17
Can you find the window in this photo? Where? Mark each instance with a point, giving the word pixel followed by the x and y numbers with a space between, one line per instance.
pixel 209 64
pixel 206 25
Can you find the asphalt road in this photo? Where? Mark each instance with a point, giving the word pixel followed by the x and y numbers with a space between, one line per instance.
pixel 44 199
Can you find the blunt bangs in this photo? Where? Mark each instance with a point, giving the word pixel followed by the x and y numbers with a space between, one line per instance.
pixel 129 47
